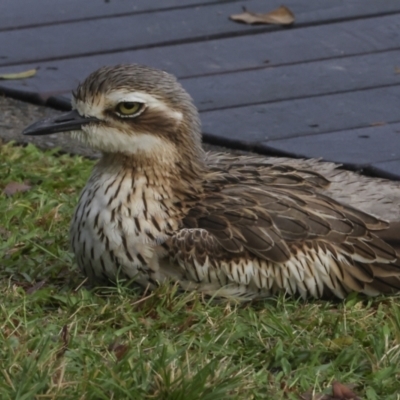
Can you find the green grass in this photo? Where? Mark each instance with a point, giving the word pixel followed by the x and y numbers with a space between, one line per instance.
pixel 60 341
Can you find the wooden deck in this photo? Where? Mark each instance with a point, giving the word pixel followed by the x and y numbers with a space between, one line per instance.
pixel 329 86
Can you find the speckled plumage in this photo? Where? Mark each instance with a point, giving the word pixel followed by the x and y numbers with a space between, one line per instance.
pixel 158 208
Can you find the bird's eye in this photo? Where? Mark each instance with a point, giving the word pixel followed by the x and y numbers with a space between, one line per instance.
pixel 129 108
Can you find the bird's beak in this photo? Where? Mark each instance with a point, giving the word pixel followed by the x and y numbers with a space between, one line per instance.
pixel 70 121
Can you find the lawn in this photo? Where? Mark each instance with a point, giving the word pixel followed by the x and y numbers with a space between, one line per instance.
pixel 59 340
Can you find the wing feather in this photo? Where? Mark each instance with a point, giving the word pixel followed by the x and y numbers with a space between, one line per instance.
pixel 270 228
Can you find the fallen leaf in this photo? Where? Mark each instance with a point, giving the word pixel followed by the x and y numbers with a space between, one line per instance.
pixel 16 187
pixel 339 392
pixel 397 70
pixel 14 249
pixel 35 287
pixel 280 16
pixel 118 349
pixel 23 284
pixel 380 123
pixel 19 75
pixel 65 341
pixel 343 392
pixel 65 335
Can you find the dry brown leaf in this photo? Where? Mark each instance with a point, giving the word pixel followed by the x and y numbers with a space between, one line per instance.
pixel 339 392
pixel 280 16
pixel 14 249
pixel 343 392
pixel 119 349
pixel 397 70
pixel 65 335
pixel 19 75
pixel 65 341
pixel 16 187
pixel 35 287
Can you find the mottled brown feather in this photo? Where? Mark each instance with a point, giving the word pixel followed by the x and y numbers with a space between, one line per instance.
pixel 269 218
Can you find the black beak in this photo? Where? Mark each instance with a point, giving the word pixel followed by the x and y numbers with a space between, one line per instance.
pixel 70 121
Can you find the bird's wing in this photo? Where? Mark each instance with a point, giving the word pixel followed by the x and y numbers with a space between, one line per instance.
pixel 391 236
pixel 376 196
pixel 285 230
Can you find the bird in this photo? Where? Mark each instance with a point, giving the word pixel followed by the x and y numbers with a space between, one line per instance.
pixel 158 208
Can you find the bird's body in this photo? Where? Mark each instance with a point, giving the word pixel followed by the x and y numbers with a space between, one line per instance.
pixel 131 215
pixel 158 208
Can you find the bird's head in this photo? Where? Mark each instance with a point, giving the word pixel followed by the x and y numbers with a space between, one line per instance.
pixel 130 110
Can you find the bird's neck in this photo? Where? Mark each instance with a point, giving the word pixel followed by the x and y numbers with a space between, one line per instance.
pixel 175 178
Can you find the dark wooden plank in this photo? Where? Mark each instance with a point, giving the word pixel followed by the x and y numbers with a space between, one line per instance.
pixel 390 169
pixel 217 56
pixel 286 82
pixel 20 13
pixel 356 147
pixel 260 124
pixel 294 81
pixel 166 27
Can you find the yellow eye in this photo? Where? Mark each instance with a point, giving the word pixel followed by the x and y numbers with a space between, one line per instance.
pixel 129 107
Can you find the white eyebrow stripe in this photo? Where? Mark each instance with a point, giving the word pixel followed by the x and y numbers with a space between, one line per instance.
pixel 119 96
pixel 123 95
